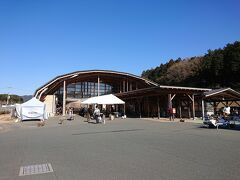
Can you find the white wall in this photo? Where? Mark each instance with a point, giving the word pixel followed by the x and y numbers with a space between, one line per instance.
pixel 50 101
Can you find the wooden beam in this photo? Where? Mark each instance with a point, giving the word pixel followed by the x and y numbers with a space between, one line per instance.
pixel 237 103
pixel 173 97
pixel 190 97
pixel 186 103
pixel 224 103
pixel 231 102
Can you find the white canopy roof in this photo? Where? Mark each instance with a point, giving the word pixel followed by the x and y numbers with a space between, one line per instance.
pixel 33 102
pixel 105 99
pixel 32 109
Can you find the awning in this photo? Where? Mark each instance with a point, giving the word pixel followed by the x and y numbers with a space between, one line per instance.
pixel 223 94
pixel 105 99
pixel 74 104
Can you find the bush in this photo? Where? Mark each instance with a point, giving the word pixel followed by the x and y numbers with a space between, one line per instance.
pixel 4 112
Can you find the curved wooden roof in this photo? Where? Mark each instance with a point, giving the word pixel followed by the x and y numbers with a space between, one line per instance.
pixel 74 75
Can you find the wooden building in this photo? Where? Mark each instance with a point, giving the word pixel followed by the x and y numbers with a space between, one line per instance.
pixel 143 97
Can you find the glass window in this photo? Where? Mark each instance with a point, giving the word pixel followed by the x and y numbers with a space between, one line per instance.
pixel 86 89
pixel 78 87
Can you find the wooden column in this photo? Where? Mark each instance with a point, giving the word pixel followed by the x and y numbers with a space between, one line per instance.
pixel 214 107
pixel 203 110
pixel 139 106
pixel 189 112
pixel 54 105
pixel 124 88
pixel 98 85
pixel 64 98
pixel 87 90
pixel 193 107
pixel 148 106
pixel 127 85
pixel 180 110
pixel 120 87
pixel 169 101
pixel 105 90
pixel 158 108
pixel 170 98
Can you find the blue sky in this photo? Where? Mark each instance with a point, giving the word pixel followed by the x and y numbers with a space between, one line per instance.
pixel 43 39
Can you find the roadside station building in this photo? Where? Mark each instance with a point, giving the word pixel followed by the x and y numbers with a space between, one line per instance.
pixel 143 97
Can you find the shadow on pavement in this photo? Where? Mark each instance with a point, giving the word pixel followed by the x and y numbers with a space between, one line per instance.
pixel 103 132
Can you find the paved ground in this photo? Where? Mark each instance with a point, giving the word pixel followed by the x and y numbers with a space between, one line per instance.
pixel 126 149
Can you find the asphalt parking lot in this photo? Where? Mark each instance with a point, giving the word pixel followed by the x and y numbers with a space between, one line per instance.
pixel 122 149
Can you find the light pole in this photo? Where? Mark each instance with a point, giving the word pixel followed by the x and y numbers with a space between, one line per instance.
pixel 8 96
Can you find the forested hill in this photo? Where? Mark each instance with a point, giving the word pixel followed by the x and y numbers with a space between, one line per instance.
pixel 218 68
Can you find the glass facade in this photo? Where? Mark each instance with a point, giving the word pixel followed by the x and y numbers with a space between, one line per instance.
pixel 86 89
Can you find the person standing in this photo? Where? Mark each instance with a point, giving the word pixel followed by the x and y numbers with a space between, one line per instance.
pixel 103 115
pixel 97 114
pixel 70 114
pixel 88 115
pixel 171 114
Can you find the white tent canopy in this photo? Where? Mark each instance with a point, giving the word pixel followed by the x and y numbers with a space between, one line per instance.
pixel 18 110
pixel 32 109
pixel 105 99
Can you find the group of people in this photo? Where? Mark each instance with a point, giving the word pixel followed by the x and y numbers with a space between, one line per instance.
pixel 224 117
pixel 89 113
pixel 97 115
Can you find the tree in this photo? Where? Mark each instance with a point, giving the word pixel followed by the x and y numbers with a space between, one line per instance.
pixel 13 98
pixel 218 68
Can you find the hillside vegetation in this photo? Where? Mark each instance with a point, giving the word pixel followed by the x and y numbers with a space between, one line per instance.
pixel 218 68
pixel 12 99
